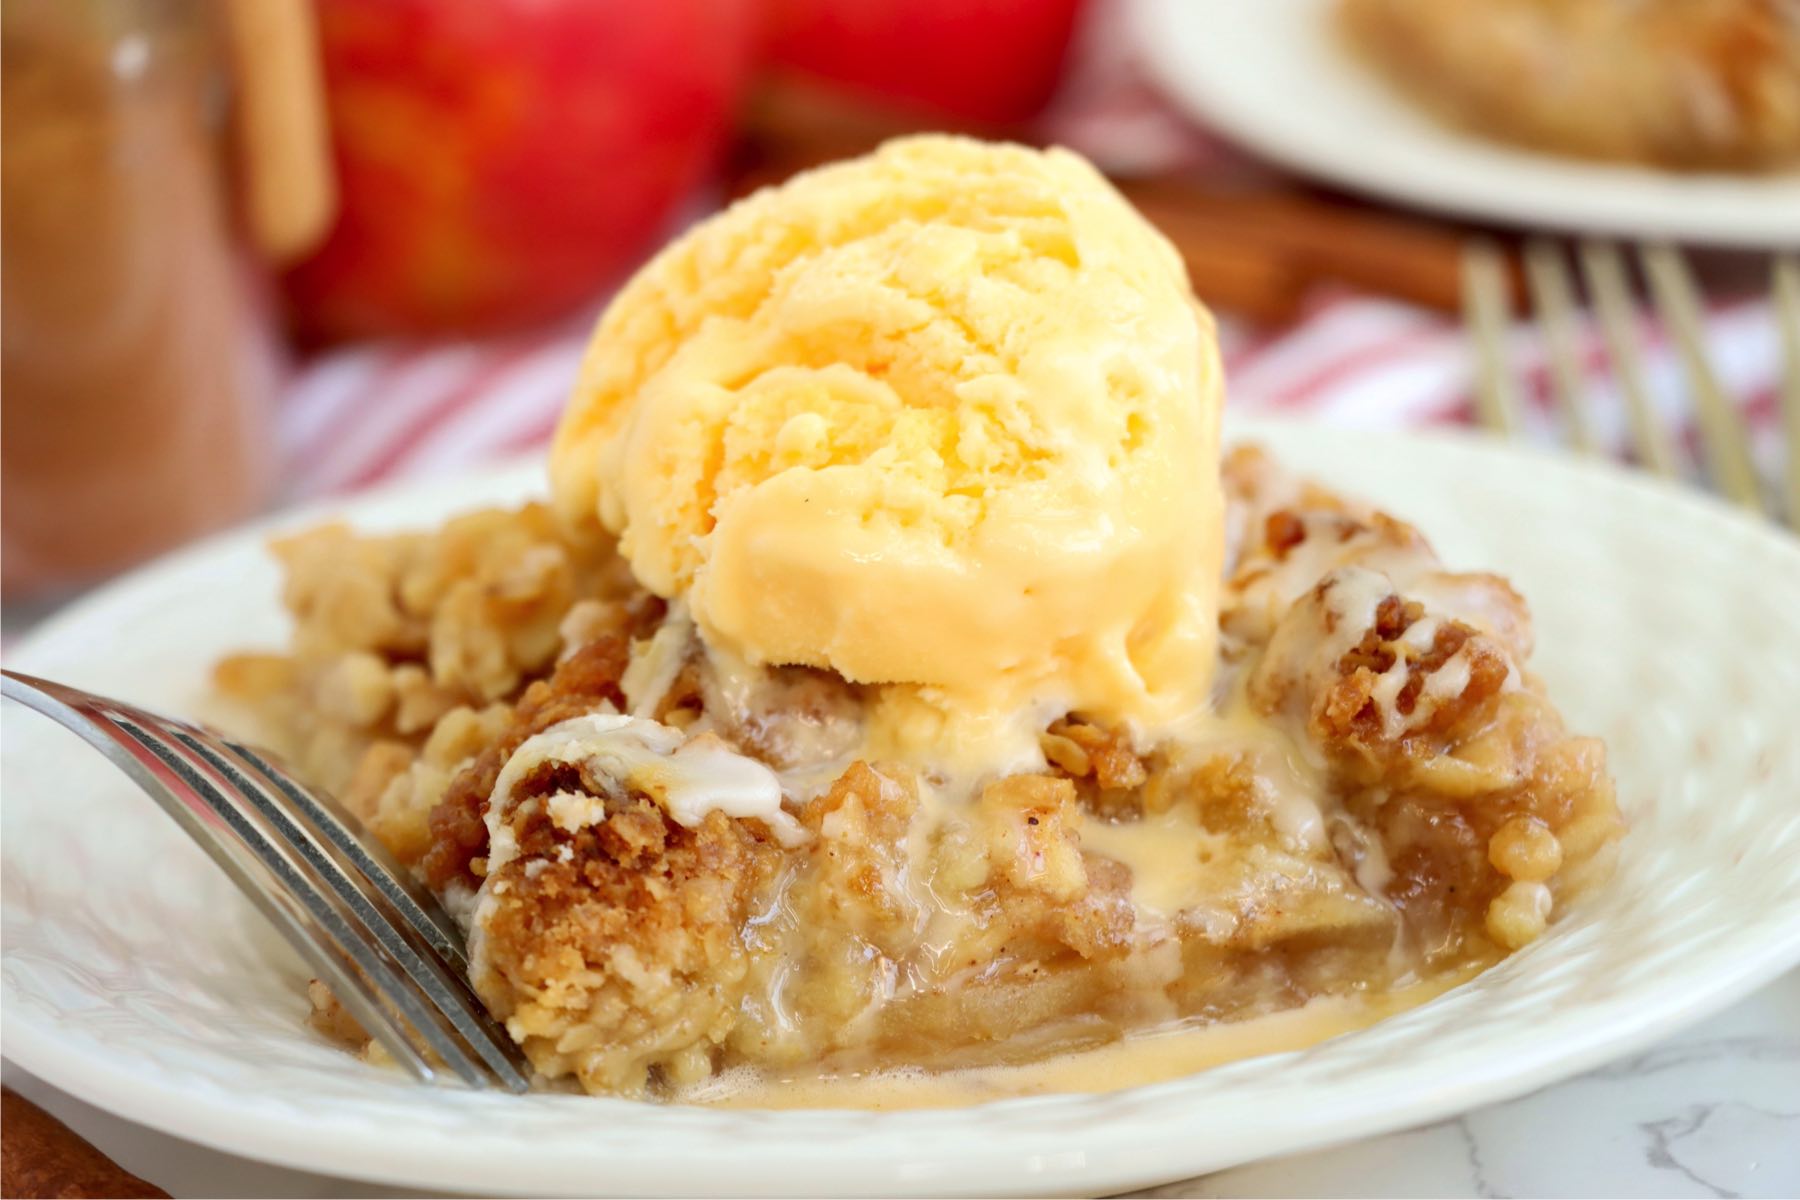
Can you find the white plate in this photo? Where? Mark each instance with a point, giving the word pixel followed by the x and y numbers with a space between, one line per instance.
pixel 1272 75
pixel 136 979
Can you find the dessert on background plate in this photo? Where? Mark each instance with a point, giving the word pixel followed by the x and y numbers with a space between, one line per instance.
pixel 1691 85
pixel 898 678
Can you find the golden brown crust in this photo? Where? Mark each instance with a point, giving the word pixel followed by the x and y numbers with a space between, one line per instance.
pixel 581 683
pixel 1348 718
pixel 616 951
pixel 1108 771
pixel 1434 736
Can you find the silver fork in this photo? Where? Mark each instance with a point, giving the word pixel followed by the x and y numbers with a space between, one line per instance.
pixel 1671 290
pixel 381 943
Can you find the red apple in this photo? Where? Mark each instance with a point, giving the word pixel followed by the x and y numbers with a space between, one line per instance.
pixel 990 62
pixel 499 161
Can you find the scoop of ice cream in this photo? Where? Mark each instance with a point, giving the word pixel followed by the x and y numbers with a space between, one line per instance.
pixel 945 417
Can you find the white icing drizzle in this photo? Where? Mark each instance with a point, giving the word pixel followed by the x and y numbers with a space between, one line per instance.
pixel 1422 633
pixel 655 663
pixel 1321 553
pixel 1352 596
pixel 1321 627
pixel 1450 680
pixel 688 777
pixel 1386 695
pixel 1318 631
pixel 1480 601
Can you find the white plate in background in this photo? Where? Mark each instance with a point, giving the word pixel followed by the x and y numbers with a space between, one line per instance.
pixel 135 978
pixel 1272 75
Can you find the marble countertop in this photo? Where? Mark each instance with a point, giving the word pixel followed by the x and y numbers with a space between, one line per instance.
pixel 1712 1112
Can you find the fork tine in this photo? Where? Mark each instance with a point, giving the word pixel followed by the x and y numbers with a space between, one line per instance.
pixel 1721 427
pixel 328 822
pixel 1787 316
pixel 391 913
pixel 377 959
pixel 373 957
pixel 1552 296
pixel 340 872
pixel 1486 309
pixel 209 822
pixel 1604 270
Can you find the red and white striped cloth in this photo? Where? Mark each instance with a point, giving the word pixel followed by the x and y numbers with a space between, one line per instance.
pixel 360 416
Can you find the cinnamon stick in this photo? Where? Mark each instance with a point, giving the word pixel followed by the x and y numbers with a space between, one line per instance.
pixel 1407 257
pixel 1251 250
pixel 285 179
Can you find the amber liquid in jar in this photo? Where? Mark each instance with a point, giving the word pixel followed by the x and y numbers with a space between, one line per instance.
pixel 138 363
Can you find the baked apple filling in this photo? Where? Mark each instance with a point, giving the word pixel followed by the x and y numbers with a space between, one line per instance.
pixel 672 867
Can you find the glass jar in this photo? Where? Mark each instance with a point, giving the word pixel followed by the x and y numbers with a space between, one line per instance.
pixel 139 362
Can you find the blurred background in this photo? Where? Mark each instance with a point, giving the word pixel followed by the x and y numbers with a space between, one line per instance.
pixel 257 251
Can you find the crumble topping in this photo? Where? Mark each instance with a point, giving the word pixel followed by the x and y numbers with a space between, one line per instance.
pixel 688 777
pixel 617 950
pixel 672 864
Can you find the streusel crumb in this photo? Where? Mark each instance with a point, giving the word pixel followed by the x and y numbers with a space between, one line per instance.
pixel 1385 795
